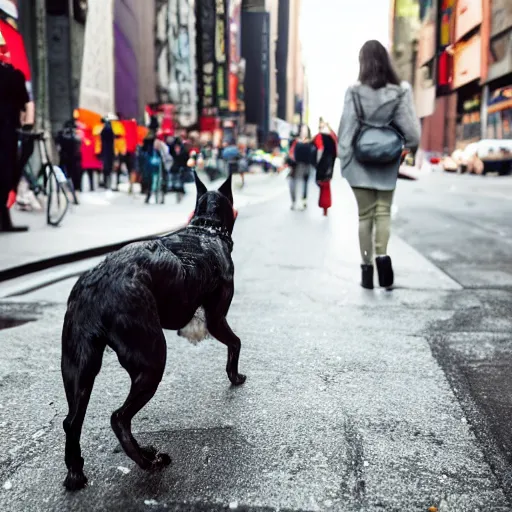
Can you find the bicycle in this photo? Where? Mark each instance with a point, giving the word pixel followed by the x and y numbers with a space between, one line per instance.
pixel 56 185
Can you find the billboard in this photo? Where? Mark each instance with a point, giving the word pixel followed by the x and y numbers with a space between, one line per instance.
pixel 256 53
pixel 182 53
pixel 469 14
pixel 221 57
pixel 235 13
pixel 206 52
pixel 13 39
pixel 427 43
pixel 97 83
pixel 126 31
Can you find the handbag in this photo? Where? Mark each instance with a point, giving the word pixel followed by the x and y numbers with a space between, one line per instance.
pixel 376 144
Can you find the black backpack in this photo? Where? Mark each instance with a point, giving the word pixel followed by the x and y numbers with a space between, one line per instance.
pixel 305 153
pixel 376 144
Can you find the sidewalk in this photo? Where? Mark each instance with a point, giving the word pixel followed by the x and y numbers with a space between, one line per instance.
pixel 105 218
pixel 345 407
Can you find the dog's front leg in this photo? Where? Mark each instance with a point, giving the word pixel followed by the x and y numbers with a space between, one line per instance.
pixel 220 330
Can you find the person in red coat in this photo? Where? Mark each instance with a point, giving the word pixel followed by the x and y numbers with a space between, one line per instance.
pixel 326 144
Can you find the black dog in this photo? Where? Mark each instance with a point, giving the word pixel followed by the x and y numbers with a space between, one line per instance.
pixel 180 282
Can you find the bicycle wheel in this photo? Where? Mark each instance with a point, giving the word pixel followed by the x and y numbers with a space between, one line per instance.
pixel 57 200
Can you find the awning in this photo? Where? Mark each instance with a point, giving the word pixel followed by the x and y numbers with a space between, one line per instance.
pixel 501 99
pixel 16 47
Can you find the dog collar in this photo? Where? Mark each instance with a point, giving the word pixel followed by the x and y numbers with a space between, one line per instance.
pixel 206 226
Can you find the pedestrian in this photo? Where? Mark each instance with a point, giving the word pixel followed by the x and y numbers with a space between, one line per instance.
pixel 302 155
pixel 128 158
pixel 14 99
pixel 231 157
pixel 370 153
pixel 69 145
pixel 180 157
pixel 107 152
pixel 326 144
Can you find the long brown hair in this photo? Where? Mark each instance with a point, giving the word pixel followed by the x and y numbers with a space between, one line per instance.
pixel 375 67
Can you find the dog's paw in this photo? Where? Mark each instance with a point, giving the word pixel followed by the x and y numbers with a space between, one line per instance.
pixel 156 459
pixel 237 379
pixel 75 481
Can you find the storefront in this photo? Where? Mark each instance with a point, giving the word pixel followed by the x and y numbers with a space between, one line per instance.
pixel 499 114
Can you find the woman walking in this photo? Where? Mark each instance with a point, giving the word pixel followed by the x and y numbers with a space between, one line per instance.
pixel 378 121
pixel 301 157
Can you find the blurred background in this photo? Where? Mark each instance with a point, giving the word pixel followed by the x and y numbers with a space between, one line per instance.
pixel 260 68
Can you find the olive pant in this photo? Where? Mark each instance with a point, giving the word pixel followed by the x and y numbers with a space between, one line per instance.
pixel 374 208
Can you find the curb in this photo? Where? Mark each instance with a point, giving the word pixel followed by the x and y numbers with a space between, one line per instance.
pixel 93 252
pixel 73 257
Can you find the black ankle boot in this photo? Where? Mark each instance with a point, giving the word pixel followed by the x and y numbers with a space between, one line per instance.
pixel 367 276
pixel 6 222
pixel 385 270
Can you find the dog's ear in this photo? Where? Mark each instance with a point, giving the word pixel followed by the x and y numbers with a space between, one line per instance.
pixel 226 190
pixel 200 186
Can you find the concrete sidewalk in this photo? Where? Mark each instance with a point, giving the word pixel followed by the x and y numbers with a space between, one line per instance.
pixel 345 407
pixel 105 218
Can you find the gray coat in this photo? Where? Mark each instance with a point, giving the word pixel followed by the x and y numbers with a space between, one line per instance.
pixel 378 105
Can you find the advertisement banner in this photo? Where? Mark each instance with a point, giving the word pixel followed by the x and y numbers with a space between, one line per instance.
pixel 468 16
pixel 13 39
pixel 235 13
pixel 256 51
pixel 427 41
pixel 207 86
pixel 97 84
pixel 466 61
pixel 182 48
pixel 126 42
pixel 221 60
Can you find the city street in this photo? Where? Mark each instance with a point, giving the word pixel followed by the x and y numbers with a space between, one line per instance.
pixel 355 400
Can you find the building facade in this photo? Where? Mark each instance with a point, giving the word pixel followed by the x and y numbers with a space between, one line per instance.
pixel 463 69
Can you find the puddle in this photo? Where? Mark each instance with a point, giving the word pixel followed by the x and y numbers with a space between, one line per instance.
pixel 9 322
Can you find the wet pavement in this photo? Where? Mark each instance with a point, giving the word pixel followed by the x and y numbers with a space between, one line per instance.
pixel 464 225
pixel 347 406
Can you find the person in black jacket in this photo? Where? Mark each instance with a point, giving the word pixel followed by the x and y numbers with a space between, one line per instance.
pixel 107 152
pixel 180 157
pixel 13 100
pixel 69 153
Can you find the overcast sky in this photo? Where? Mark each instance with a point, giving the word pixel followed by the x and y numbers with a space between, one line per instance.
pixel 332 33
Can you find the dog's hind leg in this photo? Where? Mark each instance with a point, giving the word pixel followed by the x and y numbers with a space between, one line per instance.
pixel 215 312
pixel 80 364
pixel 143 355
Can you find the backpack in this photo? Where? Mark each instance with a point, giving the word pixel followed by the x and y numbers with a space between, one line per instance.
pixel 305 153
pixel 376 144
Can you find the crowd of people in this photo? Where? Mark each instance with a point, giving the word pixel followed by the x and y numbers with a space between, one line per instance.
pixel 378 128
